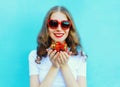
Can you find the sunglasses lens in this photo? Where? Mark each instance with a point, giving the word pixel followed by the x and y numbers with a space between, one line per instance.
pixel 65 24
pixel 53 24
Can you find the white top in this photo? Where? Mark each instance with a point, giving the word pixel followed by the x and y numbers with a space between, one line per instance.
pixel 76 63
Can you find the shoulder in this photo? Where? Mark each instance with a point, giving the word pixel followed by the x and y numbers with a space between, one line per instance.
pixel 82 56
pixel 32 55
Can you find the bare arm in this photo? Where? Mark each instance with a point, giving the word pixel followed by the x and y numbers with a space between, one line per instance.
pixel 67 74
pixel 70 80
pixel 47 82
pixel 68 77
pixel 82 82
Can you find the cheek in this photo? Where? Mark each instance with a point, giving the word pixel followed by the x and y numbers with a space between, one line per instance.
pixel 50 32
pixel 67 32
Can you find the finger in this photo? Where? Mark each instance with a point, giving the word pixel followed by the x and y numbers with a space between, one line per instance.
pixel 66 55
pixel 49 51
pixel 62 57
pixel 59 61
pixel 70 53
pixel 56 56
pixel 52 54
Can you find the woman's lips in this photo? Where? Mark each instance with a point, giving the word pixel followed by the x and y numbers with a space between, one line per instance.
pixel 58 35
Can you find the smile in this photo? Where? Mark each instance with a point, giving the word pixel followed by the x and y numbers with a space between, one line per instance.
pixel 58 35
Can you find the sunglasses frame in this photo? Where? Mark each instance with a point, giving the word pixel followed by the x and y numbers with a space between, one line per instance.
pixel 59 23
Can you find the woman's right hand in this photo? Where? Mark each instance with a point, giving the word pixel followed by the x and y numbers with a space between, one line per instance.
pixel 53 55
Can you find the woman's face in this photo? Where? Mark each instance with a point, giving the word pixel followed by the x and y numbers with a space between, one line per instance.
pixel 58 33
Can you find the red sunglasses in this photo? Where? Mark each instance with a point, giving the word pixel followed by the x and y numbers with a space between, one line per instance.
pixel 53 24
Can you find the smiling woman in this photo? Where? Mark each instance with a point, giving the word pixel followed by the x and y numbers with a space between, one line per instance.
pixel 58 30
pixel 58 62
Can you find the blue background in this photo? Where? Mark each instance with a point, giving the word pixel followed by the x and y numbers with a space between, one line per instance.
pixel 98 22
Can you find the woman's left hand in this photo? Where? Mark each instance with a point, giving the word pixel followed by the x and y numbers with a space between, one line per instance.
pixel 63 58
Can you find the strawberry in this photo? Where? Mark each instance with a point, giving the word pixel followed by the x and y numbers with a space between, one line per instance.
pixel 59 46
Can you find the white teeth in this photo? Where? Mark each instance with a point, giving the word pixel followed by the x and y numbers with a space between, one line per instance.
pixel 58 34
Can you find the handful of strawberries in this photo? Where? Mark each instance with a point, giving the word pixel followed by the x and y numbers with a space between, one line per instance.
pixel 59 46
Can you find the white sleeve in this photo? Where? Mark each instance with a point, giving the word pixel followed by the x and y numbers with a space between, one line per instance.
pixel 33 68
pixel 81 70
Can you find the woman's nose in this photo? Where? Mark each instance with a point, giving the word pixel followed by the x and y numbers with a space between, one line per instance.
pixel 59 27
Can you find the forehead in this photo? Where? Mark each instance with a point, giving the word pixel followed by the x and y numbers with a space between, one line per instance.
pixel 58 16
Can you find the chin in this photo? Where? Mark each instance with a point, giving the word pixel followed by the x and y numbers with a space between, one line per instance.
pixel 59 40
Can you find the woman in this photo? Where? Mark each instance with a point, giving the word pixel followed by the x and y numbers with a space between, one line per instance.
pixel 59 60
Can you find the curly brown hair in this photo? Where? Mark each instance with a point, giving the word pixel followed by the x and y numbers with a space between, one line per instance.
pixel 44 40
